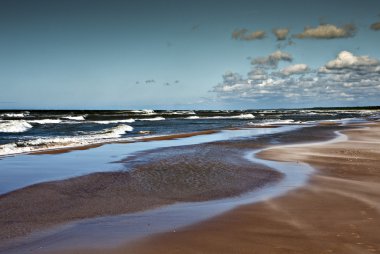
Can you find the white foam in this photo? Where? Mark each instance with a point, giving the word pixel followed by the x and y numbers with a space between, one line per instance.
pixel 114 121
pixel 182 112
pixel 244 116
pixel 18 115
pixel 115 132
pixel 110 134
pixel 45 121
pixel 76 118
pixel 148 111
pixel 241 116
pixel 192 117
pixel 152 119
pixel 14 126
pixel 145 111
pixel 274 122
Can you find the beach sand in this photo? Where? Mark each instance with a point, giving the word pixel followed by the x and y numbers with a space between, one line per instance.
pixel 338 211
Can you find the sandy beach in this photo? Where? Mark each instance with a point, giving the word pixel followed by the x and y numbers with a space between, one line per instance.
pixel 336 212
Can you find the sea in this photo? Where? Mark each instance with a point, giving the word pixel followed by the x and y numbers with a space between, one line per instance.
pixel 23 131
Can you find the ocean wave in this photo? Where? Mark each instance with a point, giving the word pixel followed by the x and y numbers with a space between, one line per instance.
pixel 114 121
pixel 274 122
pixel 181 112
pixel 244 116
pixel 241 116
pixel 114 132
pixel 159 118
pixel 145 112
pixel 192 117
pixel 76 118
pixel 110 134
pixel 14 115
pixel 14 126
pixel 45 121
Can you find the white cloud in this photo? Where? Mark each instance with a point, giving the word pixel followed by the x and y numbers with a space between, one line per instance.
pixel 257 74
pixel 294 69
pixel 327 31
pixel 245 35
pixel 235 87
pixel 273 59
pixel 347 78
pixel 346 59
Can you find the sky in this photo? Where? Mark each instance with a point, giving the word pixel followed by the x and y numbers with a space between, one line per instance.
pixel 162 54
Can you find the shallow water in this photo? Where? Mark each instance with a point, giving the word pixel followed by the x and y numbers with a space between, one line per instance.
pixel 23 170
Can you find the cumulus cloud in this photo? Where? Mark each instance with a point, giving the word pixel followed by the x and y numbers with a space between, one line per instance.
pixel 345 78
pixel 257 74
pixel 375 26
pixel 232 82
pixel 281 33
pixel 294 69
pixel 245 35
pixel 346 60
pixel 327 31
pixel 273 59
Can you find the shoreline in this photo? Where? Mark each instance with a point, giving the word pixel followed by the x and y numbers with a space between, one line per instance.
pixel 239 144
pixel 96 144
pixel 67 149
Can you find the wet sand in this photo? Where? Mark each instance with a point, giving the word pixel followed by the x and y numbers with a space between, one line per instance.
pixel 190 173
pixel 337 212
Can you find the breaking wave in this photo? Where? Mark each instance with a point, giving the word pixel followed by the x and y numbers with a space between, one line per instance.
pixel 114 121
pixel 181 112
pixel 145 112
pixel 45 121
pixel 14 126
pixel 114 132
pixel 152 119
pixel 274 122
pixel 110 134
pixel 192 117
pixel 241 116
pixel 14 115
pixel 76 118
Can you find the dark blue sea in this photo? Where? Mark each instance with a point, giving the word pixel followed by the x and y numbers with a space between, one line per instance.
pixel 36 130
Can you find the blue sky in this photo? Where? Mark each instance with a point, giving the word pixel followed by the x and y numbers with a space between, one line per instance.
pixel 174 54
